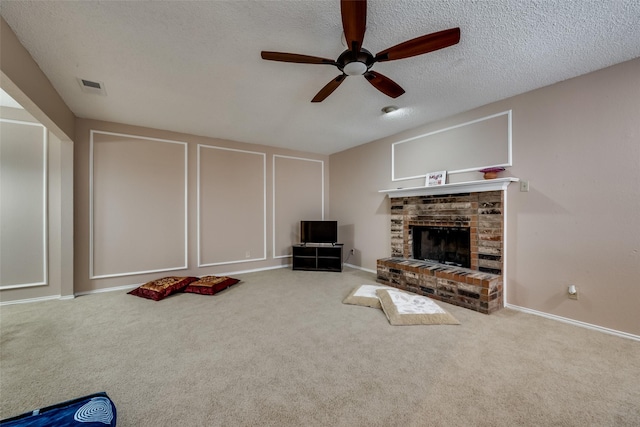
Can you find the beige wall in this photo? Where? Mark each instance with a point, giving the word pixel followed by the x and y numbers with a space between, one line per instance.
pixel 139 204
pixel 298 195
pixel 232 205
pixel 23 80
pixel 23 204
pixel 578 144
pixel 36 236
pixel 138 200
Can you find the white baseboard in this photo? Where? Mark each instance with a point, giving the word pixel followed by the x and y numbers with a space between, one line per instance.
pixel 255 270
pixel 124 287
pixel 357 267
pixel 115 288
pixel 575 322
pixel 28 300
pixel 231 273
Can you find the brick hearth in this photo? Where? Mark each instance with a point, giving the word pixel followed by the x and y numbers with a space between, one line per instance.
pixel 455 285
pixel 479 287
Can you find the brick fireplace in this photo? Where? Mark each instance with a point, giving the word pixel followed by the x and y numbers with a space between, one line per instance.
pixel 480 285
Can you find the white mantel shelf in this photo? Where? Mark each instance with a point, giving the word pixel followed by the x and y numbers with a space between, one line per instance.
pixel 453 188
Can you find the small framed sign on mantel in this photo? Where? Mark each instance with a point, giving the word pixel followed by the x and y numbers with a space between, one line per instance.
pixel 436 178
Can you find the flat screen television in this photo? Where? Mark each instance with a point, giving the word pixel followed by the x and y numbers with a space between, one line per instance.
pixel 318 231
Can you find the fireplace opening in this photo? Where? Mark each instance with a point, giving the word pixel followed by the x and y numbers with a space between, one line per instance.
pixel 446 245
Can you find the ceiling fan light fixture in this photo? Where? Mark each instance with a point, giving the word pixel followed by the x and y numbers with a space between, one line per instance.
pixel 355 68
pixel 389 109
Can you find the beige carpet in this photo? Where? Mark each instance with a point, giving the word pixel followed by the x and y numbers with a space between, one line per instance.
pixel 280 349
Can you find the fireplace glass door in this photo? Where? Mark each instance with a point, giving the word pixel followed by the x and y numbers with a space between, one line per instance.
pixel 446 245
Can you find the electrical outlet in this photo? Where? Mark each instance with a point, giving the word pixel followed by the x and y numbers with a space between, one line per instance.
pixel 247 254
pixel 524 186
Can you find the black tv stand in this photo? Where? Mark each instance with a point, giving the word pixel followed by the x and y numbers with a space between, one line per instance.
pixel 317 257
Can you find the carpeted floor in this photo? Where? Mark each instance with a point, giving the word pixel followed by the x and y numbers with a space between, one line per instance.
pixel 280 349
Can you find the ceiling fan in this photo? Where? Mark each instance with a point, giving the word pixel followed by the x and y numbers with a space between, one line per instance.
pixel 357 61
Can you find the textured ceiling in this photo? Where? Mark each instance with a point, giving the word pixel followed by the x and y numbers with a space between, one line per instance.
pixel 195 67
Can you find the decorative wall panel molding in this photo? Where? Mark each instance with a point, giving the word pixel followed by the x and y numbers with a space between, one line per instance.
pixel 138 205
pixel 470 146
pixel 23 204
pixel 298 194
pixel 232 194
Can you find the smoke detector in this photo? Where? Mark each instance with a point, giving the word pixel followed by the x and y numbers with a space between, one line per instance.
pixel 90 86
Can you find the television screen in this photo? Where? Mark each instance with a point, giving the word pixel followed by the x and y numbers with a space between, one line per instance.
pixel 318 231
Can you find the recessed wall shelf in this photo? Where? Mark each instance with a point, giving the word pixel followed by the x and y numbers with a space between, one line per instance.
pixel 453 188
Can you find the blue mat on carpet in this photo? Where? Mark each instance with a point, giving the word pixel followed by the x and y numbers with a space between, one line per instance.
pixel 95 410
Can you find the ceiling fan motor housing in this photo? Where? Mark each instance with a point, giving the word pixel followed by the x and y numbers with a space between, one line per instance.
pixel 354 64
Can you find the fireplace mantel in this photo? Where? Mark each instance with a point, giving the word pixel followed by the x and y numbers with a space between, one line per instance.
pixel 453 188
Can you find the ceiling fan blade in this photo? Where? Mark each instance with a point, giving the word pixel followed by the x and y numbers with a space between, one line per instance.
pixel 384 84
pixel 329 88
pixel 420 45
pixel 354 22
pixel 294 57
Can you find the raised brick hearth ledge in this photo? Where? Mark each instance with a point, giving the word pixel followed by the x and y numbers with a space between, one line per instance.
pixel 467 288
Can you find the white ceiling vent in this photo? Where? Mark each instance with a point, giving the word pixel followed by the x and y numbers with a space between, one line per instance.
pixel 89 86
